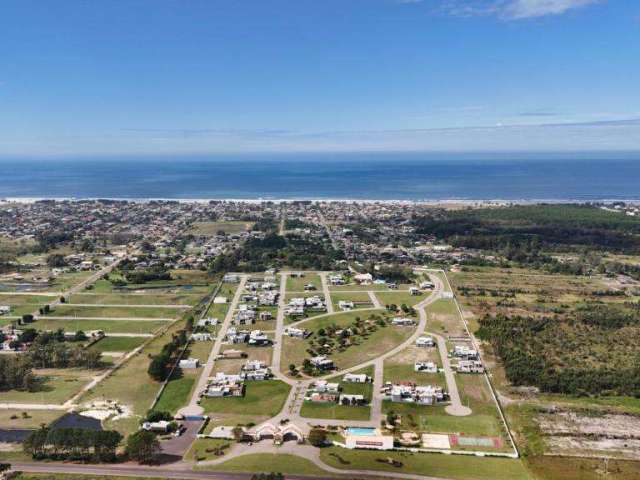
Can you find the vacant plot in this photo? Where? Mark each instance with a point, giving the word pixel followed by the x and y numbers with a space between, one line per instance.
pixel 114 312
pixel 134 299
pixel 400 298
pixel 58 386
pixel 260 398
pixel 20 418
pixel 209 229
pixel 67 280
pixel 117 344
pixel 362 288
pixel 436 465
pixel 177 392
pixel 263 354
pixel 360 299
pixel 297 284
pixel 107 326
pixel 443 318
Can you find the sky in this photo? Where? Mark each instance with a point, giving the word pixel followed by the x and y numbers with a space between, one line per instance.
pixel 214 76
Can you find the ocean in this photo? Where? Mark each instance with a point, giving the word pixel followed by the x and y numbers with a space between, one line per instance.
pixel 418 177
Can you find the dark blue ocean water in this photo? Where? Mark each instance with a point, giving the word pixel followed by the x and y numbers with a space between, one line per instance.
pixel 334 176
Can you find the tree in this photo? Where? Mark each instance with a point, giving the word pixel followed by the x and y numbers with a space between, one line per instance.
pixel 317 437
pixel 238 433
pixel 56 260
pixel 142 446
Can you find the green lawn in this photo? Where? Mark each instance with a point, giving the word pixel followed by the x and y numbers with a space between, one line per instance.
pixel 177 392
pixel 114 312
pixel 270 462
pixel 107 326
pixel 134 299
pixel 58 386
pixel 33 419
pixel 455 467
pixel 296 284
pixel 398 298
pixel 261 398
pixel 334 411
pixel 361 299
pixel 212 228
pixel 117 344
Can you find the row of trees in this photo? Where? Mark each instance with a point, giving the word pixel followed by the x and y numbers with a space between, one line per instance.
pixel 73 444
pixel 16 373
pixel 161 364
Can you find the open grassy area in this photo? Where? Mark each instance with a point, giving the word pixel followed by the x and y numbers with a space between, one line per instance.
pixel 269 462
pixel 68 476
pixel 58 386
pixel 296 284
pixel 399 298
pixel 134 299
pixel 107 326
pixel 203 449
pixel 568 468
pixel 131 385
pixel 117 344
pixel 361 299
pixel 335 411
pixel 363 347
pixel 209 229
pixel 33 418
pixel 114 312
pixel 438 465
pixel 177 392
pixel 261 398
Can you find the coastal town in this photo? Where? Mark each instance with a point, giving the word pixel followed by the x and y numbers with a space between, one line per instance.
pixel 226 331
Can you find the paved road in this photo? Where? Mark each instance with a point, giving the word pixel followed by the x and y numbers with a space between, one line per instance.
pixel 326 292
pixel 456 408
pixel 193 408
pixel 374 299
pixel 278 339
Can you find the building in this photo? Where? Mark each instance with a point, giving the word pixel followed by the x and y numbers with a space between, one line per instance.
pixel 224 385
pixel 322 363
pixel 414 291
pixel 375 442
pixel 470 366
pixel 296 332
pixel 465 353
pixel 348 399
pixel 206 322
pixel 345 305
pixel 412 393
pixel 425 342
pixel 356 378
pixel 402 321
pixel 189 363
pixel 425 367
pixel 258 338
pixel 363 278
pixel 4 309
pixel 161 426
pixel 220 300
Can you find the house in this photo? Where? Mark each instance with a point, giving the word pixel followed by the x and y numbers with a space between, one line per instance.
pixel 245 316
pixel 392 286
pixel 425 367
pixel 206 322
pixel 402 321
pixel 296 332
pixel 258 338
pixel 231 354
pixel 356 378
pixel 414 291
pixel 4 309
pixel 345 305
pixel 425 342
pixel 309 286
pixel 375 442
pixel 363 278
pixel 189 363
pixel 470 366
pixel 412 393
pixel 322 363
pixel 348 399
pixel 252 365
pixel 257 375
pixel 161 426
pixel 225 385
pixel 323 386
pixel 465 353
pixel 237 336
pixel 231 278
pixel 201 337
pixel 336 280
pixel 220 300
pixel 427 286
pixel 223 433
pixel 294 311
pixel 323 397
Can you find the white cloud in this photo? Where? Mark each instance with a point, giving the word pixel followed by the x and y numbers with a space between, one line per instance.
pixel 512 9
pixel 538 8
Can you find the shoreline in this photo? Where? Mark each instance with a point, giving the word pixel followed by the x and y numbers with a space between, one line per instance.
pixel 448 201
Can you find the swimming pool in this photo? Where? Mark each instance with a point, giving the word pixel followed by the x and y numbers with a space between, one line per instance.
pixel 360 431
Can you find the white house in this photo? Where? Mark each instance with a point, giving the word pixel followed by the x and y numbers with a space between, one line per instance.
pixel 425 342
pixel 220 300
pixel 189 363
pixel 363 278
pixel 470 366
pixel 402 321
pixel 4 309
pixel 425 367
pixel 161 426
pixel 345 304
pixel 356 378
pixel 201 337
pixel 321 362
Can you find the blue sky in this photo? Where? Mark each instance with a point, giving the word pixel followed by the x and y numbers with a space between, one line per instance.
pixel 211 76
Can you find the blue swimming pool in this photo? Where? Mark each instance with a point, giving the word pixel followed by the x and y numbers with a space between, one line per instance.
pixel 360 431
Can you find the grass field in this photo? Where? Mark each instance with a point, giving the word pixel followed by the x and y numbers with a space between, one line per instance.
pixel 269 462
pixel 296 284
pixel 114 312
pixel 177 392
pixel 261 398
pixel 210 229
pixel 107 326
pixel 365 347
pixel 335 411
pixel 134 299
pixel 361 299
pixel 445 466
pixel 400 366
pixel 398 298
pixel 117 344
pixel 33 419
pixel 58 387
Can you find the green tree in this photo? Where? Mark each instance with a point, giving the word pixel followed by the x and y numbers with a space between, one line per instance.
pixel 317 437
pixel 142 446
